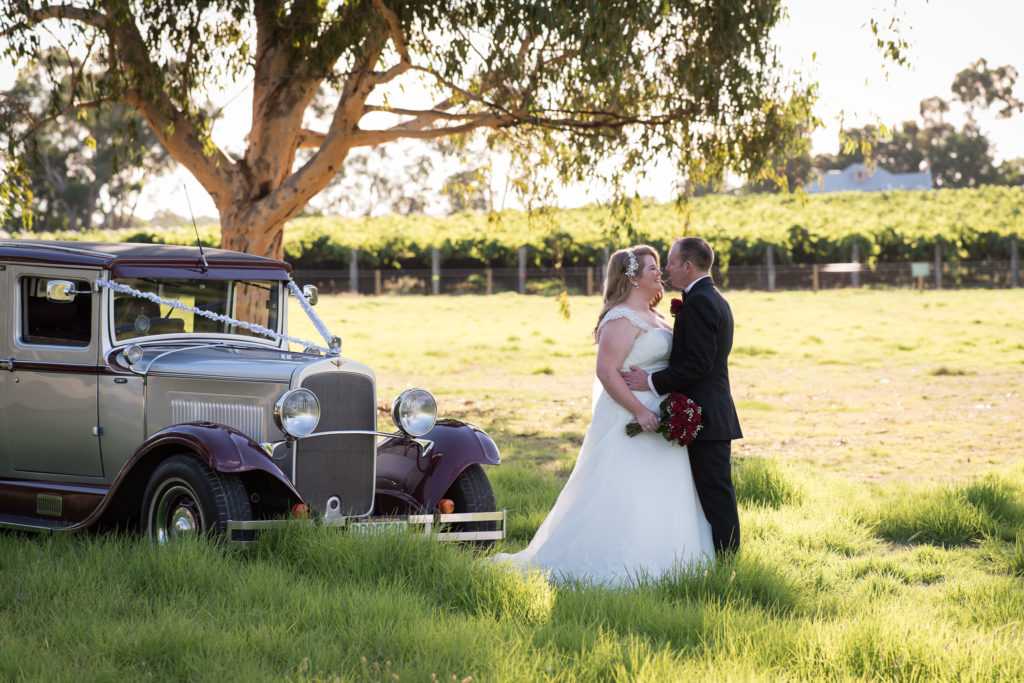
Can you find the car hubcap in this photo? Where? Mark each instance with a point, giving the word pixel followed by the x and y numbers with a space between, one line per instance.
pixel 177 514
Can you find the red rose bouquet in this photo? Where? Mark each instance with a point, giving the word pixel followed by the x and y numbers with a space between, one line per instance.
pixel 679 423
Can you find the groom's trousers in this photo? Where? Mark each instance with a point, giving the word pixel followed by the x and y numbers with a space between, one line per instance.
pixel 712 475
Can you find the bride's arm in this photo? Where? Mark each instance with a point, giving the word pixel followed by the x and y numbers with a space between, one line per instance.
pixel 617 337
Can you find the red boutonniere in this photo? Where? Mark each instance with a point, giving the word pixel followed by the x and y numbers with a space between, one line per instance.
pixel 675 306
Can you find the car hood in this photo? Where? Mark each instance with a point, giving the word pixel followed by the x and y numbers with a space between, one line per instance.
pixel 224 361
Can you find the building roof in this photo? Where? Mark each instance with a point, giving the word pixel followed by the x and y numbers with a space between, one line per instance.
pixel 862 178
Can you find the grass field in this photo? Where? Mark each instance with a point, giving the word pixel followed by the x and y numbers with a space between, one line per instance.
pixel 881 489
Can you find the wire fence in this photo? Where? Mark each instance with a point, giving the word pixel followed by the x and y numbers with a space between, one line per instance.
pixel 589 279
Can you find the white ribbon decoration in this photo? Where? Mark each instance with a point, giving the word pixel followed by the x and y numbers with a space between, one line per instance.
pixel 252 327
pixel 317 323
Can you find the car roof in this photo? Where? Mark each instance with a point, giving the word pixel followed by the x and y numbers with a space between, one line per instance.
pixel 128 259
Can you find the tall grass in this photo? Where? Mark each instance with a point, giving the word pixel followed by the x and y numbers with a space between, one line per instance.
pixel 872 547
pixel 954 515
pixel 309 603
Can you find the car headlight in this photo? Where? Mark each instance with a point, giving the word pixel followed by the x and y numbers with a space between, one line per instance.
pixel 297 412
pixel 414 411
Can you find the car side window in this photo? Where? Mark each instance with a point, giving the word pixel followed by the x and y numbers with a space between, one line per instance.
pixel 54 323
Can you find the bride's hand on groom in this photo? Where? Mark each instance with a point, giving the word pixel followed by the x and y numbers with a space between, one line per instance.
pixel 636 379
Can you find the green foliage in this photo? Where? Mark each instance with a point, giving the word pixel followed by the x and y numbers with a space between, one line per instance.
pixel 968 224
pixel 568 89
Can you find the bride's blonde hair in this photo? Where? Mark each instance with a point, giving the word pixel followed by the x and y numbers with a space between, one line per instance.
pixel 617 284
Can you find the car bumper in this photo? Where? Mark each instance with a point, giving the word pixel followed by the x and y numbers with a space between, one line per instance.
pixel 437 526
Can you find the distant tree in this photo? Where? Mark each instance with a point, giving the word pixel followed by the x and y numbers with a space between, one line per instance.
pixel 957 158
pixel 468 190
pixel 379 180
pixel 898 150
pixel 1011 172
pixel 83 171
pixel 566 83
pixel 979 88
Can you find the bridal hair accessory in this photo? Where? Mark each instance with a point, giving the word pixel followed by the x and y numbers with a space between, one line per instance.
pixel 679 422
pixel 633 265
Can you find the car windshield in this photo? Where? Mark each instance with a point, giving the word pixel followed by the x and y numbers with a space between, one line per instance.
pixel 245 301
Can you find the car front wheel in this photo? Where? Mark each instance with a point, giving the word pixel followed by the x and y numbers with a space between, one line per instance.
pixel 471 492
pixel 185 498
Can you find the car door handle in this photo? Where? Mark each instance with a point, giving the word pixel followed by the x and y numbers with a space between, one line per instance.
pixel 7 364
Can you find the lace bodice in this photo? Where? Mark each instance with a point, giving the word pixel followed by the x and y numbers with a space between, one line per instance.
pixel 650 350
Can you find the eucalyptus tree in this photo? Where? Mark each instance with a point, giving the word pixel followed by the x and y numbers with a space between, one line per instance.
pixel 571 86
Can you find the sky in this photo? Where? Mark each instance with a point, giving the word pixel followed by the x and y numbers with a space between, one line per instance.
pixel 945 36
pixel 829 41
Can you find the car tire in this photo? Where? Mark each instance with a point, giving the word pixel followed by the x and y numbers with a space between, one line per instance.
pixel 184 497
pixel 471 492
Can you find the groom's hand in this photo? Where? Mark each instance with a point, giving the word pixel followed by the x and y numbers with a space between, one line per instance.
pixel 636 379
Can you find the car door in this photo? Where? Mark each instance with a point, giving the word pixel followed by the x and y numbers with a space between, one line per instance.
pixel 51 388
pixel 6 304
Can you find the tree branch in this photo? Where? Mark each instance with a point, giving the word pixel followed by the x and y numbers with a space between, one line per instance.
pixel 370 138
pixel 398 40
pixel 310 138
pixel 79 14
pixel 35 124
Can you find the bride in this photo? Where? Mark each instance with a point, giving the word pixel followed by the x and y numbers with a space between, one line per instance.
pixel 629 509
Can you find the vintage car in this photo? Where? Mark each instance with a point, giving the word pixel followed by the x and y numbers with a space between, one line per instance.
pixel 156 387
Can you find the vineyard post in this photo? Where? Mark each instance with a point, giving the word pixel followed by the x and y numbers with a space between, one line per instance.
pixel 490 279
pixel 376 282
pixel 522 270
pixel 1014 262
pixel 814 276
pixel 769 258
pixel 938 266
pixel 590 280
pixel 353 272
pixel 604 269
pixel 855 258
pixel 435 270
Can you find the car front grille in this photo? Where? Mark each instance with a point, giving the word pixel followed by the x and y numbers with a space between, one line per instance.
pixel 339 465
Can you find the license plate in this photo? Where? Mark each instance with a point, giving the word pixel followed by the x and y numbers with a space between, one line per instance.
pixel 389 526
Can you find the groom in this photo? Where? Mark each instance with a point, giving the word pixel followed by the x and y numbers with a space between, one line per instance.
pixel 699 368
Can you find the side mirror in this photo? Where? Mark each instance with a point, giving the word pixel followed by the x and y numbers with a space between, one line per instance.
pixel 60 291
pixel 311 293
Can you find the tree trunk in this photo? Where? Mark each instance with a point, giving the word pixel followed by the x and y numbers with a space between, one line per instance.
pixel 244 229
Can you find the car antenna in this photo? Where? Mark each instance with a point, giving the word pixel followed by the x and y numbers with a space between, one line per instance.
pixel 206 266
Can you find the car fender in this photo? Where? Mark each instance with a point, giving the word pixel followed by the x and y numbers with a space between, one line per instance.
pixel 222 448
pixel 404 474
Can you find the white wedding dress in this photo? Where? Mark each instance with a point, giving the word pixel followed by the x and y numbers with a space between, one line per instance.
pixel 629 509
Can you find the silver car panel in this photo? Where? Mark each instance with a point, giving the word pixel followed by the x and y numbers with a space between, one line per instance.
pixel 172 400
pixel 52 390
pixel 121 418
pixel 5 375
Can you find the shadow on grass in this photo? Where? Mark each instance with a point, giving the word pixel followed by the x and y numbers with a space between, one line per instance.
pixel 450 576
pixel 953 515
pixel 762 482
pixel 741 578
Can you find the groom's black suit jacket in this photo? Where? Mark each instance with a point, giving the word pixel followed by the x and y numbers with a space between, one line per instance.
pixel 699 368
pixel 699 364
